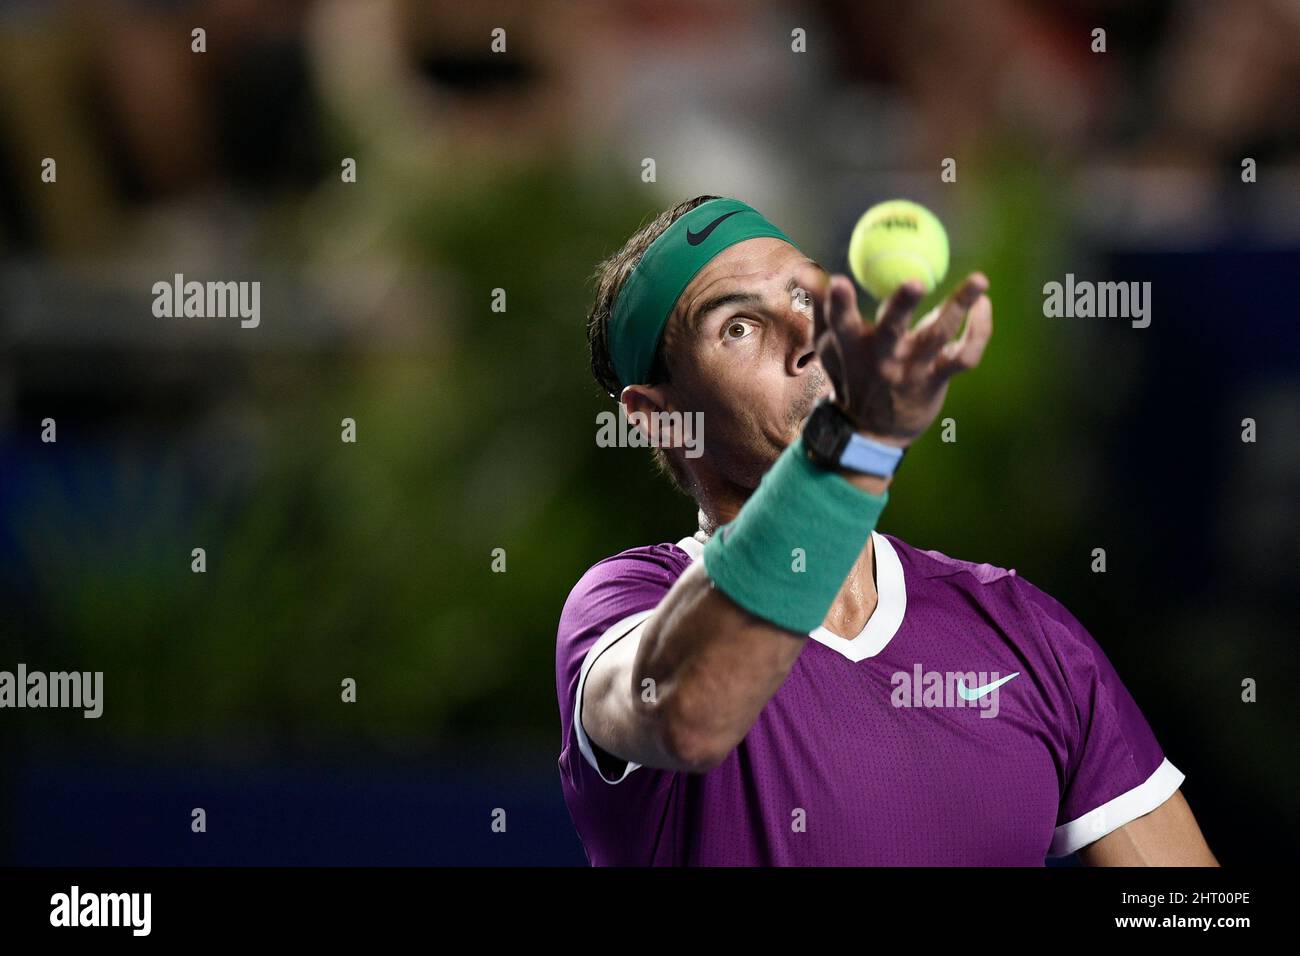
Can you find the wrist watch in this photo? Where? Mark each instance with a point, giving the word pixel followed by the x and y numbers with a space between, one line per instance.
pixel 832 441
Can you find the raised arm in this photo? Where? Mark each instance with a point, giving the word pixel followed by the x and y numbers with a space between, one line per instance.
pixel 681 690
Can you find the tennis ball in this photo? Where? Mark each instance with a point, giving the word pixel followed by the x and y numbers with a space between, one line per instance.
pixel 895 241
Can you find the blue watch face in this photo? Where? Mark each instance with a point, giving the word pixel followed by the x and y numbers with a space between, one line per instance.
pixel 869 457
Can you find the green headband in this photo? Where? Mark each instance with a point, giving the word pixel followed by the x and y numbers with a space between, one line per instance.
pixel 664 272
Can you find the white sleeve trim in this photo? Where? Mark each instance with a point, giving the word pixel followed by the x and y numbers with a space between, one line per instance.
pixel 616 633
pixel 1113 814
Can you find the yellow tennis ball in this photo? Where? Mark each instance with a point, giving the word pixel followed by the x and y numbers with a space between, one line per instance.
pixel 895 241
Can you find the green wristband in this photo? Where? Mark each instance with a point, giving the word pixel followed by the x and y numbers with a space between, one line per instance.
pixel 798 505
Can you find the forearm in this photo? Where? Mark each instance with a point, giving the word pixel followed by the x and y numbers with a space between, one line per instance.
pixel 1167 836
pixel 728 634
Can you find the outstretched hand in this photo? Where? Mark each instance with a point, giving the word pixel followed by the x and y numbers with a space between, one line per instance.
pixel 890 378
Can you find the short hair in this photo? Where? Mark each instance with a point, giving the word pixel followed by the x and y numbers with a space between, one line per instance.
pixel 610 277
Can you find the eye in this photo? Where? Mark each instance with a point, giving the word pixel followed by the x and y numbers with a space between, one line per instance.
pixel 736 329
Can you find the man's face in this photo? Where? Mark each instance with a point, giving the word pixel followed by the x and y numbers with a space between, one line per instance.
pixel 739 346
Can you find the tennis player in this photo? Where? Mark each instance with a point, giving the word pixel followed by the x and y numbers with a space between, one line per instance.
pixel 787 685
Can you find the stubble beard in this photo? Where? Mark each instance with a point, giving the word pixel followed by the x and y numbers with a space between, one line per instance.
pixel 813 387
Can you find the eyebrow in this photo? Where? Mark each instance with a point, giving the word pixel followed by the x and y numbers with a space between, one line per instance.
pixel 738 298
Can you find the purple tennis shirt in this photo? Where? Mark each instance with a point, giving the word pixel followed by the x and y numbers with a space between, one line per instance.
pixel 973 721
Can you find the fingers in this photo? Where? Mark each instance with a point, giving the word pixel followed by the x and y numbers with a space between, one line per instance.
pixel 843 315
pixel 895 313
pixel 831 356
pixel 966 352
pixel 827 342
pixel 814 280
pixel 934 331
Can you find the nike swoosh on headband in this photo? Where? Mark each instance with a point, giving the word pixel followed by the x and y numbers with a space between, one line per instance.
pixel 695 238
pixel 665 269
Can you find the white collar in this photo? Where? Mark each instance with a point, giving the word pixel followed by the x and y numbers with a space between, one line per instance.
pixel 885 620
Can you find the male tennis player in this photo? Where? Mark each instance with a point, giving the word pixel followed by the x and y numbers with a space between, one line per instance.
pixel 787 685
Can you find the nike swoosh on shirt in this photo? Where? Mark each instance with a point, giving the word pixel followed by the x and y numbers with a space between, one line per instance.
pixel 695 238
pixel 979 692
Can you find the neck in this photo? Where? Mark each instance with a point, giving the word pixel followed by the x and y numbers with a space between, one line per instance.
pixel 718 504
pixel 857 598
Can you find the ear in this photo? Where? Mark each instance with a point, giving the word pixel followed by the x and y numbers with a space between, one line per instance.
pixel 641 402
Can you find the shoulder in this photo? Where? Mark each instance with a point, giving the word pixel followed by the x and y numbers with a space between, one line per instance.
pixel 667 557
pixel 933 566
pixel 610 598
pixel 625 578
pixel 1001 591
pixel 615 588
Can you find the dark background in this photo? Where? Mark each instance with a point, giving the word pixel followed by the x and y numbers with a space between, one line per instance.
pixel 476 429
